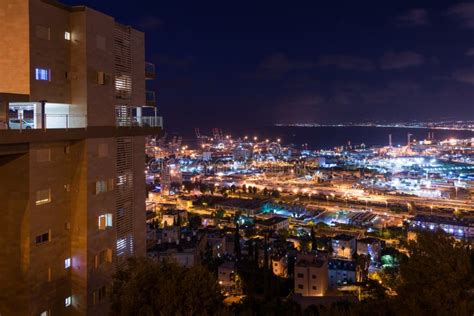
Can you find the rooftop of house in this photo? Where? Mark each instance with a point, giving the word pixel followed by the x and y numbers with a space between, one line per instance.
pixel 369 240
pixel 314 262
pixel 272 221
pixel 174 212
pixel 344 237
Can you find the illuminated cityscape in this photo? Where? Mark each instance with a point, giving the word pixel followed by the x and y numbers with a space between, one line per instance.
pixel 323 167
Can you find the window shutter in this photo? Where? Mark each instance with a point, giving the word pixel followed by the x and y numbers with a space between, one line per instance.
pixel 110 185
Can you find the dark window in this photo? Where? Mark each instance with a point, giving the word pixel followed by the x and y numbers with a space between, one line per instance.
pixel 42 238
pixel 300 286
pixel 314 276
pixel 102 293
pixel 300 275
pixel 314 287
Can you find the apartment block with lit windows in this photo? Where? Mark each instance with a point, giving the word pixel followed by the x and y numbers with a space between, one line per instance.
pixel 74 113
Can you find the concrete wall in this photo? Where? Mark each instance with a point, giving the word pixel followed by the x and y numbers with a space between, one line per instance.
pixel 139 191
pixel 138 68
pixel 14 241
pixel 99 168
pixel 100 98
pixel 52 53
pixel 14 43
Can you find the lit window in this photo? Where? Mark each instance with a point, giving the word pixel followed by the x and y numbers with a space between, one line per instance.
pixel 100 186
pixel 67 301
pixel 43 74
pixel 67 36
pixel 45 313
pixel 105 221
pixel 43 196
pixel 67 263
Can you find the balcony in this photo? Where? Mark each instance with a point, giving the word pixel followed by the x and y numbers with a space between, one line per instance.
pixel 150 72
pixel 140 121
pixel 35 115
pixel 134 117
pixel 150 98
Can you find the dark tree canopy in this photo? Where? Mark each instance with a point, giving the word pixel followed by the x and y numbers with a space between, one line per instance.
pixel 160 288
pixel 437 278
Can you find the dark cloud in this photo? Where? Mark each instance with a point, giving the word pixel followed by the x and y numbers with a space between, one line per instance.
pixel 464 13
pixel 306 108
pixel 465 75
pixel 414 17
pixel 393 60
pixel 281 63
pixel 346 62
pixel 150 22
pixel 470 52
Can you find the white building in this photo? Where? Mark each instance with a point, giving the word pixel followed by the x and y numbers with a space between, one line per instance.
pixel 311 275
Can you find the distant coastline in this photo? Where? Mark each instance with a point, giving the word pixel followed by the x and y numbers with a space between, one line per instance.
pixel 455 126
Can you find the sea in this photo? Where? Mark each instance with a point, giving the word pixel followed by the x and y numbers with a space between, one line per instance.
pixel 326 137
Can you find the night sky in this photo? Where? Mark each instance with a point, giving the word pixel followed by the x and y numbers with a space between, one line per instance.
pixel 230 63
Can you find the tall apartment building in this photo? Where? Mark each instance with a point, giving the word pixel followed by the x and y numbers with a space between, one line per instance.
pixel 72 136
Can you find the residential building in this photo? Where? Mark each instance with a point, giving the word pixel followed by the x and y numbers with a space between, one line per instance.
pixel 280 265
pixel 226 273
pixel 344 246
pixel 371 247
pixel 342 272
pixel 72 136
pixel 174 217
pixel 462 228
pixel 274 223
pixel 186 251
pixel 311 275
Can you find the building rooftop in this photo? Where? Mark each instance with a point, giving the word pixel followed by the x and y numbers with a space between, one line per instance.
pixel 466 222
pixel 310 261
pixel 250 204
pixel 344 237
pixel 368 240
pixel 272 221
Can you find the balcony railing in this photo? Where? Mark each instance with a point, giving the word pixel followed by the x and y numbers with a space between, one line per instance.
pixel 139 121
pixel 150 98
pixel 150 71
pixel 45 121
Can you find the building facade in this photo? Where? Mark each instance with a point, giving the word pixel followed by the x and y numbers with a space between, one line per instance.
pixel 311 275
pixel 72 137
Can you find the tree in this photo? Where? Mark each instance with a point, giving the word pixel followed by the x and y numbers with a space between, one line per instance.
pixel 147 287
pixel 212 188
pixel 189 186
pixel 437 278
pixel 313 239
pixel 203 188
pixel 195 221
pixel 219 213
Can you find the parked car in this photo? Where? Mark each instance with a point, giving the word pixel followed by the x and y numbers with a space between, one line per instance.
pixel 20 124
